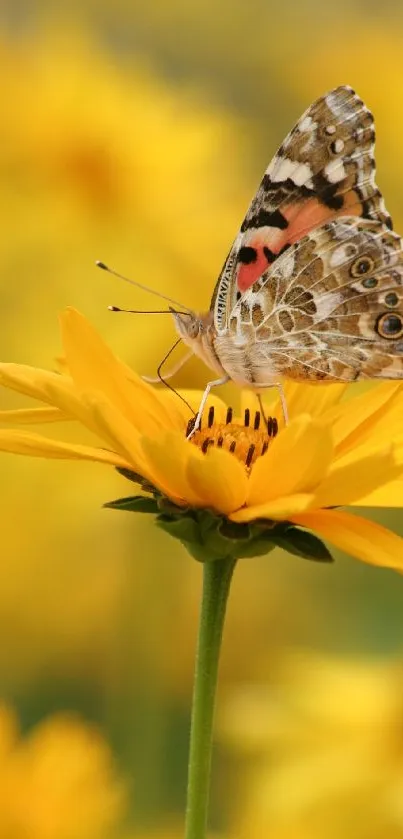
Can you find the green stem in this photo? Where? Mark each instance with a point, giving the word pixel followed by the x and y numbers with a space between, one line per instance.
pixel 217 575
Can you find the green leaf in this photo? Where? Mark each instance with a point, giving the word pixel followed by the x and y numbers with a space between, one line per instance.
pixel 301 543
pixel 134 504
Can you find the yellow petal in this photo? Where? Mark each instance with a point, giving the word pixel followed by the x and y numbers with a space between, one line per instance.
pixel 356 417
pixel 219 479
pixel 112 426
pixel 390 494
pixel 61 392
pixel 57 391
pixel 356 536
pixel 297 461
pixel 300 399
pixel 31 381
pixel 280 509
pixel 26 416
pixel 178 413
pixel 94 367
pixel 355 475
pixel 311 399
pixel 167 460
pixel 34 445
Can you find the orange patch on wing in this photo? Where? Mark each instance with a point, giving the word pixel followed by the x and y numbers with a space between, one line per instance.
pixel 302 217
pixel 247 274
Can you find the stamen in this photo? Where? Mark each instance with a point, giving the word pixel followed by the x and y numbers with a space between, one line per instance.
pixel 190 426
pixel 244 440
pixel 272 426
pixel 229 416
pixel 249 456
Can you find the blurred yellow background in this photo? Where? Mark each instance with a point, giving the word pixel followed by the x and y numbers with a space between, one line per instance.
pixel 136 133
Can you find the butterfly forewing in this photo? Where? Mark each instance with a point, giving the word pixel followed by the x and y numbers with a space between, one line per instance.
pixel 324 169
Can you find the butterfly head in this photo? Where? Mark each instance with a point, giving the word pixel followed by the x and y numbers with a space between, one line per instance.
pixel 197 332
pixel 188 325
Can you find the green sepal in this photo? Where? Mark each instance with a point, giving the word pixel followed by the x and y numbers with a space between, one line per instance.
pixel 134 504
pixel 301 543
pixel 207 535
pixel 185 529
pixel 136 478
pixel 130 475
pixel 168 507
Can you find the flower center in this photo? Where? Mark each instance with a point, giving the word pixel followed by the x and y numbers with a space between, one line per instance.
pixel 246 441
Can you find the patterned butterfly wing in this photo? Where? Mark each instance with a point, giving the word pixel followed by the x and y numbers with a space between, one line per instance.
pixel 330 309
pixel 324 169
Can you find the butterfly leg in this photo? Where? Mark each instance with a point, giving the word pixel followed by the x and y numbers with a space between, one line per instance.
pixel 262 410
pixel 215 383
pixel 283 402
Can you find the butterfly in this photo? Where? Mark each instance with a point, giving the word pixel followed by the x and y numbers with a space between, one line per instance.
pixel 312 288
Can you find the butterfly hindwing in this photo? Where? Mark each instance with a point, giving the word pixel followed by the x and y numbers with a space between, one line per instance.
pixel 324 169
pixel 330 309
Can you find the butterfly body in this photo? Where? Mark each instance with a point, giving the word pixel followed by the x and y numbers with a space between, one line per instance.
pixel 312 288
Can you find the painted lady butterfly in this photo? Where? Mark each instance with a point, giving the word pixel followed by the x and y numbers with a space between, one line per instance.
pixel 312 288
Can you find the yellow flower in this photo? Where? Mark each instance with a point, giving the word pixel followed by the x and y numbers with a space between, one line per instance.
pixel 319 756
pixel 332 453
pixel 57 781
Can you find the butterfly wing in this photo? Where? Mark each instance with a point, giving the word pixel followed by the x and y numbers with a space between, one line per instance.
pixel 329 309
pixel 324 169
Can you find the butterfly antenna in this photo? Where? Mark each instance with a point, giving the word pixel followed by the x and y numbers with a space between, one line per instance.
pixel 146 311
pixel 104 267
pixel 164 382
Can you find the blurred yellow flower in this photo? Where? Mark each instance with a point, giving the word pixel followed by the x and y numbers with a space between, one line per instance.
pixel 56 783
pixel 331 454
pixel 326 743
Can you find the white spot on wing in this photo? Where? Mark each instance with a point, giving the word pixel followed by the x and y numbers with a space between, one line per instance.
pixel 270 168
pixel 335 171
pixel 303 174
pixel 338 146
pixel 285 168
pixel 307 124
pixel 299 173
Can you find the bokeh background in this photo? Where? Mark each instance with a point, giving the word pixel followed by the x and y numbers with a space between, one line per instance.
pixel 136 133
